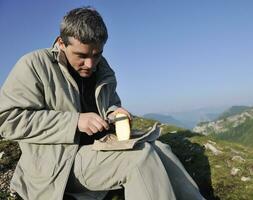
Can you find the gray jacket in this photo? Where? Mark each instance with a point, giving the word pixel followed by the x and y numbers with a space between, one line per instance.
pixel 39 108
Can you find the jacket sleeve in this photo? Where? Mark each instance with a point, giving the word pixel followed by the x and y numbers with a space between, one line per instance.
pixel 114 99
pixel 114 102
pixel 23 113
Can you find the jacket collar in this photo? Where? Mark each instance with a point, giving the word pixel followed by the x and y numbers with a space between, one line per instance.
pixel 59 55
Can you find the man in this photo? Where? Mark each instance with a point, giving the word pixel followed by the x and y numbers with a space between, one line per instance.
pixel 55 103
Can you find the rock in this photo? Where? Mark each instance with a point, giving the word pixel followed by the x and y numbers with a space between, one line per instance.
pixel 212 148
pixel 236 152
pixel 243 178
pixel 251 170
pixel 13 194
pixel 188 159
pixel 212 142
pixel 229 163
pixel 238 158
pixel 234 171
pixel 173 132
pixel 1 154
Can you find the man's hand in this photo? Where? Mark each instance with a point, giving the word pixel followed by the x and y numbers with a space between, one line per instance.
pixel 91 123
pixel 120 110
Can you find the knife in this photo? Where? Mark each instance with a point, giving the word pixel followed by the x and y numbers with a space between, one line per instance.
pixel 114 119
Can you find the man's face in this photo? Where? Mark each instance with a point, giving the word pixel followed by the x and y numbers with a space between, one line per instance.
pixel 82 57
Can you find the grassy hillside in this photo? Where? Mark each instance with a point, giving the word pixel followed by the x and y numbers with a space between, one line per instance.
pixel 235 126
pixel 226 174
pixel 243 133
pixel 212 172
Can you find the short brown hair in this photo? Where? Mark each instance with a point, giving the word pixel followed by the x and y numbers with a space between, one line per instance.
pixel 84 24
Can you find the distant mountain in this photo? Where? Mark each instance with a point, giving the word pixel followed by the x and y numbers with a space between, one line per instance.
pixel 166 119
pixel 243 133
pixel 235 124
pixel 188 119
pixel 191 118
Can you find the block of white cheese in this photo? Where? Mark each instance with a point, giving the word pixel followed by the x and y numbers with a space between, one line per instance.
pixel 122 127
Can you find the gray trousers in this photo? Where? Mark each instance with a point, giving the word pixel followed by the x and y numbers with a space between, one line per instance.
pixel 149 172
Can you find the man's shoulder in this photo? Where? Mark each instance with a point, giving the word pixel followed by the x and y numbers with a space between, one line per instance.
pixel 37 59
pixel 39 55
pixel 40 61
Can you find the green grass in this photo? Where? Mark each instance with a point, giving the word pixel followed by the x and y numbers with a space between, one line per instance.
pixel 210 172
pixel 11 153
pixel 242 134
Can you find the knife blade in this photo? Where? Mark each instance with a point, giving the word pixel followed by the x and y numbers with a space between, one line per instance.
pixel 115 119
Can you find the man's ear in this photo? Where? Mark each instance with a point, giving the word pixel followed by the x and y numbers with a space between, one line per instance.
pixel 61 43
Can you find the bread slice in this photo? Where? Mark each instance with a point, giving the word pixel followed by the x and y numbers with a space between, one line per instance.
pixel 122 127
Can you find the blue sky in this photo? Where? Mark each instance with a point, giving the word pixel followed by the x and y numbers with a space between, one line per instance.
pixel 168 55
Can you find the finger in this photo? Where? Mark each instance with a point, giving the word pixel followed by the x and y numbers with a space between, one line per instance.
pixel 98 122
pixel 89 132
pixel 94 128
pixel 105 124
pixel 122 110
pixel 99 126
pixel 102 123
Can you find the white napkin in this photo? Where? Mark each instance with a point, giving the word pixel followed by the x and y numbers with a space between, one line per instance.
pixel 110 141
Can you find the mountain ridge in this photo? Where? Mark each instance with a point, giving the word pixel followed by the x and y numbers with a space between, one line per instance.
pixel 235 124
pixel 167 119
pixel 233 110
pixel 187 119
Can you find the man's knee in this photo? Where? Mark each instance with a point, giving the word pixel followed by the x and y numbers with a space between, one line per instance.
pixel 144 153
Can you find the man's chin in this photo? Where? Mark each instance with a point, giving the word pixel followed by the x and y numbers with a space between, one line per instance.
pixel 84 74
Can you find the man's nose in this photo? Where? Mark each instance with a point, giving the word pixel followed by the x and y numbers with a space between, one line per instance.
pixel 89 62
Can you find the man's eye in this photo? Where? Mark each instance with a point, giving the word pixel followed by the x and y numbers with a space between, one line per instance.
pixel 95 56
pixel 81 56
